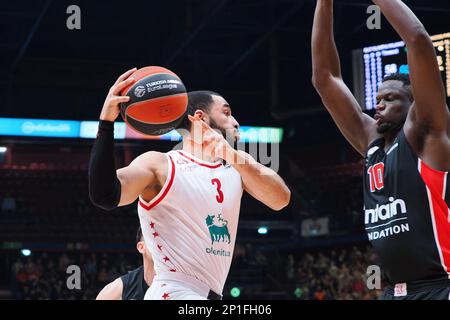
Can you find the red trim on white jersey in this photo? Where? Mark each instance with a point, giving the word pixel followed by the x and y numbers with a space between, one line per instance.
pixel 444 191
pixel 165 189
pixel 200 162
pixel 435 182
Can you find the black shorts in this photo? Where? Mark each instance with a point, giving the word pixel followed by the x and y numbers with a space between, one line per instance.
pixel 423 291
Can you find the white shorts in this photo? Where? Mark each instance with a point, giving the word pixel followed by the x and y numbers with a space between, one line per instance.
pixel 176 286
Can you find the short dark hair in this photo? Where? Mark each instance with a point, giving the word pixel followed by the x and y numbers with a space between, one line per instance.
pixel 197 100
pixel 139 235
pixel 404 78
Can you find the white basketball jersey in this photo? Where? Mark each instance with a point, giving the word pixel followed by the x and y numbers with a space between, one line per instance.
pixel 190 226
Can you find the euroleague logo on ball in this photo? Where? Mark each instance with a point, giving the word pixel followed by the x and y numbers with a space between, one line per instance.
pixel 139 91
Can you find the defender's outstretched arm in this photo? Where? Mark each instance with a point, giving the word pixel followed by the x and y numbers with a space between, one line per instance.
pixel 358 128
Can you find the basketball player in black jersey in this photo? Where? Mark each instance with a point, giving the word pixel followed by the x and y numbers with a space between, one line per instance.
pixel 407 155
pixel 134 284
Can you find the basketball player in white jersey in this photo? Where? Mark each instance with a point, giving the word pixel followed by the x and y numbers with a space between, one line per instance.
pixel 189 200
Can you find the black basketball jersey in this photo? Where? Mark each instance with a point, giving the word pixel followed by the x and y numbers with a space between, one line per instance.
pixel 134 285
pixel 406 213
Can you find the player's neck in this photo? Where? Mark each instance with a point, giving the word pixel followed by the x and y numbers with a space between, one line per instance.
pixel 196 150
pixel 389 138
pixel 149 272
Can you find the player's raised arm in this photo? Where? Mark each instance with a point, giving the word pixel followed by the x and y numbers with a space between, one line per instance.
pixel 108 188
pixel 428 91
pixel 358 128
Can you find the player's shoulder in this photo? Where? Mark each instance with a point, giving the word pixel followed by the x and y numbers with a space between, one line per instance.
pixel 136 271
pixel 150 159
pixel 112 291
pixel 153 155
pixel 151 164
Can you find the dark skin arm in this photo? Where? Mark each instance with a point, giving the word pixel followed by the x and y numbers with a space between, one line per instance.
pixel 427 125
pixel 357 127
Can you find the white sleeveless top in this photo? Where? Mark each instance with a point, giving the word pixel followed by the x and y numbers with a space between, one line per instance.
pixel 190 226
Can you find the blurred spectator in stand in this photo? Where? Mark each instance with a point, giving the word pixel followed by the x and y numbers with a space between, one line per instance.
pixel 290 268
pixel 8 204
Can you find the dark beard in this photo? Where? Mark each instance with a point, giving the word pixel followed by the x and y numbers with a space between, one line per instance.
pixel 383 128
pixel 389 127
pixel 214 126
pixel 231 139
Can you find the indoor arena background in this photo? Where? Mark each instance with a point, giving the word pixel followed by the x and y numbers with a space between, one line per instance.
pixel 257 54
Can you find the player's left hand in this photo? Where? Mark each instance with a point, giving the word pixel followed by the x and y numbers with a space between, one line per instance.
pixel 213 144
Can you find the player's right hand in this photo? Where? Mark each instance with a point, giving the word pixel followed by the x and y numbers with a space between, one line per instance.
pixel 111 109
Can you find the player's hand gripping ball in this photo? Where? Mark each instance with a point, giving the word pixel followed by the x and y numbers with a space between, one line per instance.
pixel 158 101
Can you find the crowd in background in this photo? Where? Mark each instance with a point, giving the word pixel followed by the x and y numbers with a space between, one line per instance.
pixel 44 275
pixel 316 275
pixel 337 274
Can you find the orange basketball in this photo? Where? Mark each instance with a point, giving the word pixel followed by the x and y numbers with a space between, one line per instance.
pixel 158 101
